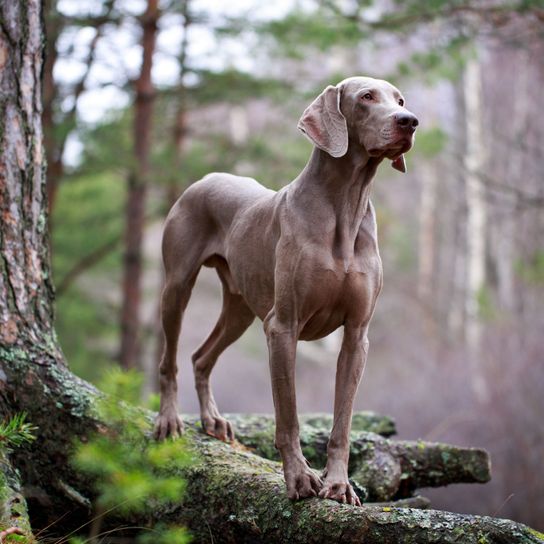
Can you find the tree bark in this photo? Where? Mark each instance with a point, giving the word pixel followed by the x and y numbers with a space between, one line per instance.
pixel 136 198
pixel 26 292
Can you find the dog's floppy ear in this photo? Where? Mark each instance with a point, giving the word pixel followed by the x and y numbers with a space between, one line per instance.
pixel 324 124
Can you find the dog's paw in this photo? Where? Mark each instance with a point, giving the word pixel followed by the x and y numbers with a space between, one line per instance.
pixel 303 483
pixel 339 491
pixel 168 424
pixel 218 427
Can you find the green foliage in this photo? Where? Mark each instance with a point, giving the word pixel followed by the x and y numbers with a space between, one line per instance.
pixel 15 432
pixel 431 142
pixel 439 61
pixel 532 271
pixel 172 535
pixel 321 29
pixel 88 331
pixel 88 216
pixel 211 152
pixel 23 539
pixel 131 472
pixel 88 213
pixel 233 86
pixel 536 533
pixel 123 385
pixel 153 402
pixel 108 145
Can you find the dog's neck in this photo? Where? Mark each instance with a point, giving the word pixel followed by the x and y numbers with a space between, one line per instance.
pixel 341 185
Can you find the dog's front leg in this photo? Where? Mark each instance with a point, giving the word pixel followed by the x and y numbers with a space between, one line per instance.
pixel 281 337
pixel 351 362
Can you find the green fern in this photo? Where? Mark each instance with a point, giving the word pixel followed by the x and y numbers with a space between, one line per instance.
pixel 15 432
pixel 131 472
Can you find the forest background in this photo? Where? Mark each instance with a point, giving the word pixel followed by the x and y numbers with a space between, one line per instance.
pixel 142 98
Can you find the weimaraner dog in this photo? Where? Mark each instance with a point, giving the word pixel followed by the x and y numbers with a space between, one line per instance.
pixel 304 260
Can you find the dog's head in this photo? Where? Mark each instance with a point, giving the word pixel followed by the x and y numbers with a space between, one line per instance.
pixel 364 112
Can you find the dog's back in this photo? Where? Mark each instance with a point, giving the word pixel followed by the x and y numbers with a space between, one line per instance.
pixel 201 218
pixel 219 197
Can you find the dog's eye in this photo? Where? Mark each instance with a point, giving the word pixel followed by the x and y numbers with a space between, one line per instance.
pixel 401 102
pixel 367 96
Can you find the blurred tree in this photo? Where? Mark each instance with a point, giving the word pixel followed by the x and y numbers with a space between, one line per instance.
pixel 474 163
pixel 138 180
pixel 179 135
pixel 60 99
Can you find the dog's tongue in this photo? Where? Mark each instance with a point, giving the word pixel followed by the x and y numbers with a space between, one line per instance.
pixel 399 164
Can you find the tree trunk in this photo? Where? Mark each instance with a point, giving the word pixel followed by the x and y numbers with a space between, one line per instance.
pixel 136 198
pixel 55 166
pixel 57 125
pixel 427 274
pixel 507 225
pixel 474 160
pixel 427 228
pixel 25 289
pixel 26 292
pixel 233 495
pixel 457 284
pixel 174 188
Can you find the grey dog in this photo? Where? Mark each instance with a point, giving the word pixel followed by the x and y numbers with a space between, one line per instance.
pixel 304 259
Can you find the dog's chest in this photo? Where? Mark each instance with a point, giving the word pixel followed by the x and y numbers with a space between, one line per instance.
pixel 340 288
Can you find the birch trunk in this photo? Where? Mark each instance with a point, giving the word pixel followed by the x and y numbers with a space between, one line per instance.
pixel 474 161
pixel 457 277
pixel 427 226
pixel 507 226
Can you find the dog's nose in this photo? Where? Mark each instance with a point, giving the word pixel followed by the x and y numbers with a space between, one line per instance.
pixel 407 121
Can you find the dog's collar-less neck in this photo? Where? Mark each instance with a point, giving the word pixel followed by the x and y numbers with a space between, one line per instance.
pixel 342 183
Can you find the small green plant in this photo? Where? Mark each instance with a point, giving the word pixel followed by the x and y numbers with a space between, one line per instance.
pixel 133 474
pixel 15 432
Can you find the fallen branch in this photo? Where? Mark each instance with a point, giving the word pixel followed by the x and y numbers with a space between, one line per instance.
pixel 388 469
pixel 232 494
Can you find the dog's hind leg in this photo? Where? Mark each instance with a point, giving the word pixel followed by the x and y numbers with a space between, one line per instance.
pixel 183 257
pixel 234 320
